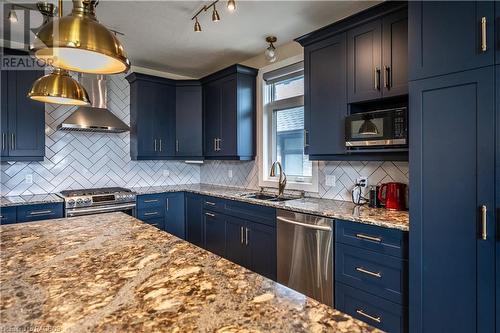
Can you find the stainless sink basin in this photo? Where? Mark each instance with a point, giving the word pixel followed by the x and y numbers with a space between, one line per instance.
pixel 266 197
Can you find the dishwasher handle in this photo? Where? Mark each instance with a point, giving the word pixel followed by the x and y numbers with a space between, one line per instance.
pixel 305 225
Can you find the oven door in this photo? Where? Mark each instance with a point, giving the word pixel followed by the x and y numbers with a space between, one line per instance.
pixel 128 208
pixel 375 129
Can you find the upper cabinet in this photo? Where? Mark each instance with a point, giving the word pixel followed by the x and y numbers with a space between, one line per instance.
pixel 229 113
pixel 378 58
pixel 164 116
pixel 467 42
pixel 188 120
pixel 22 119
pixel 325 100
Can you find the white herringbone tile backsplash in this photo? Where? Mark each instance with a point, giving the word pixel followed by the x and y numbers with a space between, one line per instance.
pixel 86 160
pixel 245 174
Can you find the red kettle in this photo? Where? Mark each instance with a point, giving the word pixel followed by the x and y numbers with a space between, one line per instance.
pixel 393 196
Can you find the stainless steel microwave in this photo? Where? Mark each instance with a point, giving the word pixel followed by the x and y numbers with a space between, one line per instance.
pixel 376 129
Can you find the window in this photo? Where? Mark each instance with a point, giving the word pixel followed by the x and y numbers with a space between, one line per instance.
pixel 283 127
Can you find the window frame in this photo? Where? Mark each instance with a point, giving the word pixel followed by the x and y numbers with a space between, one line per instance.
pixel 265 131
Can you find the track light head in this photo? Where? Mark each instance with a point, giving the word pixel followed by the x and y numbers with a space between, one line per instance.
pixel 12 16
pixel 215 15
pixel 197 26
pixel 231 5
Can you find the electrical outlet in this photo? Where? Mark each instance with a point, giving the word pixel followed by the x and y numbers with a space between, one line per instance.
pixel 166 173
pixel 331 180
pixel 230 173
pixel 29 179
pixel 362 181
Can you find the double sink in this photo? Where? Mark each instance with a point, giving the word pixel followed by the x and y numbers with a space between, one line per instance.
pixel 266 197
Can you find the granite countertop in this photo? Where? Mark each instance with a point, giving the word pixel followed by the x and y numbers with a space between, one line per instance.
pixel 114 273
pixel 324 207
pixel 20 200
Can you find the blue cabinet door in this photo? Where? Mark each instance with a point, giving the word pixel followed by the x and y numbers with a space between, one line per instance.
pixel 164 120
pixel 189 121
pixel 497 32
pixel 229 117
pixel 174 216
pixel 364 62
pixel 395 54
pixel 261 240
pixel 445 36
pixel 236 248
pixel 8 215
pixel 214 225
pixel 26 118
pixel 497 182
pixel 325 97
pixel 452 126
pixel 38 212
pixel 4 119
pixel 194 219
pixel 212 117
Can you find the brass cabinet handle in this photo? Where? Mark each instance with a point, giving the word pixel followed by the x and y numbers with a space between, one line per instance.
pixel 366 315
pixel 209 214
pixel 150 213
pixel 241 235
pixel 365 271
pixel 150 200
pixel 246 236
pixel 484 45
pixel 387 77
pixel 372 238
pixel 176 145
pixel 40 212
pixel 155 145
pixel 376 83
pixel 210 203
pixel 484 224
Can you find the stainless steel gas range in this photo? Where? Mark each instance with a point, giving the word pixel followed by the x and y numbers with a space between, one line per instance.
pixel 100 200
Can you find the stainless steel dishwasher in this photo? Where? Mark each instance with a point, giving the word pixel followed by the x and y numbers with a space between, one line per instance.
pixel 305 254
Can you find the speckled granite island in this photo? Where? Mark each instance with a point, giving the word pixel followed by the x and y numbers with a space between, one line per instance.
pixel 113 273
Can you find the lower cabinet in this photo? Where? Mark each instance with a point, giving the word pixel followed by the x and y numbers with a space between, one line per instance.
pixel 194 219
pixel 163 210
pixel 215 232
pixel 28 213
pixel 371 274
pixel 174 215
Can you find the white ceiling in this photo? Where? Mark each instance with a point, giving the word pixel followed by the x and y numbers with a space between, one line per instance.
pixel 159 34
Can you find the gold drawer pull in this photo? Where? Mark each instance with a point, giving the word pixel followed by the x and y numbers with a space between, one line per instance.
pixel 152 213
pixel 364 314
pixel 484 45
pixel 210 214
pixel 484 222
pixel 362 270
pixel 40 212
pixel 151 200
pixel 210 203
pixel 372 238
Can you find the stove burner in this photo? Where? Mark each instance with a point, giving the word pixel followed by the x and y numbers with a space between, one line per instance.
pixel 96 191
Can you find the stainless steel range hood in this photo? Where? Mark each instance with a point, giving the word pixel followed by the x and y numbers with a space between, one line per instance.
pixel 95 118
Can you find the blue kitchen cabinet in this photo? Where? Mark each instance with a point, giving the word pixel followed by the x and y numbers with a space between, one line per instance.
pixel 214 225
pixel 497 32
pixel 236 243
pixel 22 119
pixel 151 208
pixel 36 212
pixel 188 120
pixel 174 216
pixel 452 155
pixel 229 113
pixel 325 97
pixel 152 117
pixel 497 182
pixel 446 36
pixel 194 219
pixel 8 215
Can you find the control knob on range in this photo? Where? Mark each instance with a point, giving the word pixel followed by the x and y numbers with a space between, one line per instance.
pixel 87 200
pixel 71 202
pixel 79 201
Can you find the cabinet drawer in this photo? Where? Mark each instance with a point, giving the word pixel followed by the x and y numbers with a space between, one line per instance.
pixel 376 273
pixel 151 213
pixel 150 201
pixel 256 213
pixel 377 312
pixel 39 212
pixel 214 204
pixel 383 240
pixel 8 215
pixel 157 222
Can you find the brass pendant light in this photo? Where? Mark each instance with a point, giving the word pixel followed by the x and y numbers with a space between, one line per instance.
pixel 78 42
pixel 59 87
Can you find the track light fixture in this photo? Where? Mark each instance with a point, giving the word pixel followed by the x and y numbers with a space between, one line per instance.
pixel 231 5
pixel 12 16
